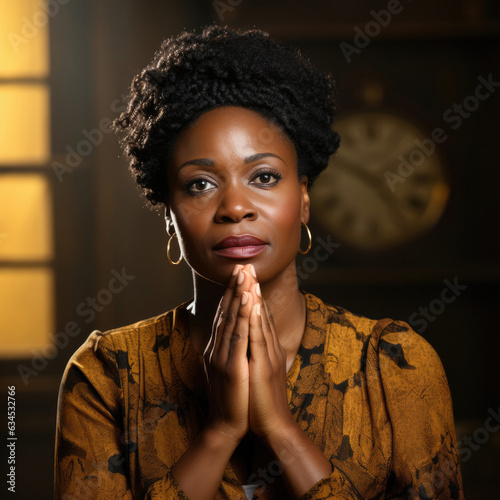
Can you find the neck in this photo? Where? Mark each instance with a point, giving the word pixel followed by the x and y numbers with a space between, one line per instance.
pixel 281 294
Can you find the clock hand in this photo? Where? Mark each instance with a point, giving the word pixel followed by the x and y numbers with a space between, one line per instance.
pixel 380 187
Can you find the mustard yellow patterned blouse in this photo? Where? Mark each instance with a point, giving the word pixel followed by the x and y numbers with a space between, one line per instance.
pixel 372 395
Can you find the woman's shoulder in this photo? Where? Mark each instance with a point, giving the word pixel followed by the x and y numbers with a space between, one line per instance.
pixel 385 353
pixel 389 337
pixel 148 334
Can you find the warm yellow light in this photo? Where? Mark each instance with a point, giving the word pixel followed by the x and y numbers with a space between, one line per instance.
pixel 24 124
pixel 24 40
pixel 27 311
pixel 25 218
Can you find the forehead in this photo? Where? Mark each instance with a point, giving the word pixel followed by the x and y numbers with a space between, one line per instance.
pixel 232 126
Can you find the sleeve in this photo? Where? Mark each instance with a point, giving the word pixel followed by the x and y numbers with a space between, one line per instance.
pixel 91 449
pixel 425 463
pixel 412 385
pixel 337 485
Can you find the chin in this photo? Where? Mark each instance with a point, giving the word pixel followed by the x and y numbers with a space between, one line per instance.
pixel 220 278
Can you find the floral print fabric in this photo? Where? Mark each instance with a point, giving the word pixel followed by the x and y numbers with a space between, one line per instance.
pixel 372 395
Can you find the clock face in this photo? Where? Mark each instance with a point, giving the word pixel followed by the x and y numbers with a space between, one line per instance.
pixel 381 188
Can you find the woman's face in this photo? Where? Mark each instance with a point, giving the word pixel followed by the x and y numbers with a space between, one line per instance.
pixel 235 196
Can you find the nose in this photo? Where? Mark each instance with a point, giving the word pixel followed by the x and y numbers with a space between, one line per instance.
pixel 235 204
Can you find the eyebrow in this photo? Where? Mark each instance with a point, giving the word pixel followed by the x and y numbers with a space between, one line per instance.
pixel 209 162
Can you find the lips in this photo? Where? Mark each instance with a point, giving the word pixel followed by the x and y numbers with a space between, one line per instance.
pixel 240 247
pixel 238 241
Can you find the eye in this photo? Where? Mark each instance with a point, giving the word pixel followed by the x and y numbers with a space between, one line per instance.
pixel 267 177
pixel 199 186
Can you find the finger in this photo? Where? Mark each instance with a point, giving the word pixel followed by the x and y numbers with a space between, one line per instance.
pixel 220 313
pixel 209 349
pixel 251 269
pixel 227 326
pixel 257 299
pixel 237 344
pixel 256 337
pixel 280 351
pixel 256 292
pixel 229 292
pixel 267 323
pixel 269 330
pixel 233 293
pixel 276 352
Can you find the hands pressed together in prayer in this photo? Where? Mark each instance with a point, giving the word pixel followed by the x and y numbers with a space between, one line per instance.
pixel 246 378
pixel 246 391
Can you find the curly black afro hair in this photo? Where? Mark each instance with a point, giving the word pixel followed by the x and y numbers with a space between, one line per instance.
pixel 192 73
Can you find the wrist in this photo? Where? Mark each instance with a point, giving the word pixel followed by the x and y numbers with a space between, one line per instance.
pixel 286 431
pixel 218 438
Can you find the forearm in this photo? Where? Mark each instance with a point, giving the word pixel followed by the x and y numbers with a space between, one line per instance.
pixel 303 462
pixel 199 471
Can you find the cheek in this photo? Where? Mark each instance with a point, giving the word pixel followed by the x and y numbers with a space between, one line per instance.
pixel 190 224
pixel 287 221
pixel 189 212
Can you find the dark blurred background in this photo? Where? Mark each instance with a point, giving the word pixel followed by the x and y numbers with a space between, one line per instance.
pixel 410 200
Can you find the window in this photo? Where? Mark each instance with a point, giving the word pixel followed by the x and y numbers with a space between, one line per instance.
pixel 26 201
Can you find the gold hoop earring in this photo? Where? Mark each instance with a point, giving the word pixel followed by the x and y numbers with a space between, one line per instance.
pixel 168 252
pixel 310 240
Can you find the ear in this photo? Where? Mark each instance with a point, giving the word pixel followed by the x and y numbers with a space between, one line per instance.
pixel 168 219
pixel 306 202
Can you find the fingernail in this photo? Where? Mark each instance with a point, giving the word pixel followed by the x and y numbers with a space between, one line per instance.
pixel 257 309
pixel 241 278
pixel 252 270
pixel 236 269
pixel 257 290
pixel 244 298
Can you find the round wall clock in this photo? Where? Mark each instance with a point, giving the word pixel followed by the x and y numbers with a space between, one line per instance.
pixel 384 186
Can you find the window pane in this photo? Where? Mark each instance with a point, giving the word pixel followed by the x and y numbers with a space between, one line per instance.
pixel 24 124
pixel 25 218
pixel 24 41
pixel 26 309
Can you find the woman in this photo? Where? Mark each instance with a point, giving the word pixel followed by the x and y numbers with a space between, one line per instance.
pixel 253 381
